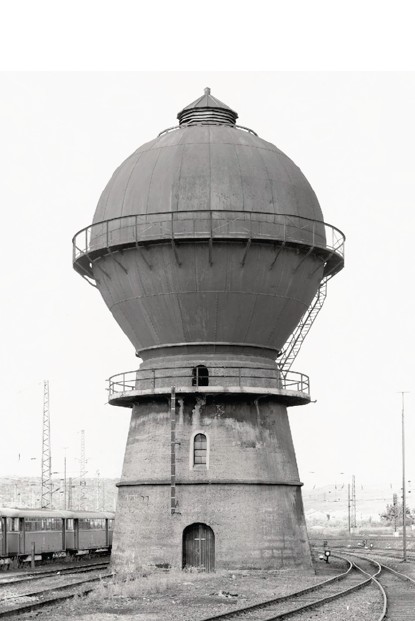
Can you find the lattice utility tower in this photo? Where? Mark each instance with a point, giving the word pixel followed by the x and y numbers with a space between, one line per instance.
pixel 46 491
pixel 82 479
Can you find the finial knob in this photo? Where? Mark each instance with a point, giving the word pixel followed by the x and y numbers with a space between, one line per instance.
pixel 207 90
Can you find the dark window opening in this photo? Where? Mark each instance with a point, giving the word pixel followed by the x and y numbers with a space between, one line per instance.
pixel 199 449
pixel 200 376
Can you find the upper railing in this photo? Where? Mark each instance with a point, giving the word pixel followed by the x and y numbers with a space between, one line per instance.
pixel 131 384
pixel 208 224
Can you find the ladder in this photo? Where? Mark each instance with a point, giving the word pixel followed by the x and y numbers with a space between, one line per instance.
pixel 295 341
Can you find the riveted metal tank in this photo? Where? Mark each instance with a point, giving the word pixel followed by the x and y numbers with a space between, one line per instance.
pixel 208 236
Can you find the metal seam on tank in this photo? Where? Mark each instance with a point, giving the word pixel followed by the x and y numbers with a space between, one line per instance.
pixel 251 315
pixel 282 311
pixel 183 330
pixel 215 330
pixel 275 149
pixel 128 182
pixel 216 291
pixel 179 174
pixel 111 183
pixel 292 184
pixel 151 179
pixel 149 322
pixel 173 290
pixel 138 257
pixel 240 178
pixel 264 163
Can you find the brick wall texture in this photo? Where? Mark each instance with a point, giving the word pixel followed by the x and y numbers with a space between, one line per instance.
pixel 248 492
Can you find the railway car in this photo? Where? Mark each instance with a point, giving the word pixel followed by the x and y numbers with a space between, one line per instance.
pixel 53 533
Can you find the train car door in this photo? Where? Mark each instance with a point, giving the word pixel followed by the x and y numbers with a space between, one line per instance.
pixel 21 536
pixel 63 534
pixel 76 533
pixel 3 534
pixel 199 547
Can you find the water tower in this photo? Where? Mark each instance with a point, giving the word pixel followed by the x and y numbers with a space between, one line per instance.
pixel 209 247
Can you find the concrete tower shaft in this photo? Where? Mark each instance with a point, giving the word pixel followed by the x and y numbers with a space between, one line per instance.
pixel 208 245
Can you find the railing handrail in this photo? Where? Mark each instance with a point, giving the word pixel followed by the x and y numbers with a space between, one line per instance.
pixel 173 216
pixel 128 380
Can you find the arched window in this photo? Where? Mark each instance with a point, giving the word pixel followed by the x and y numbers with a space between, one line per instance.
pixel 200 375
pixel 199 449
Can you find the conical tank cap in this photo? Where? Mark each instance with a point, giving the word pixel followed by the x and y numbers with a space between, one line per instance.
pixel 207 110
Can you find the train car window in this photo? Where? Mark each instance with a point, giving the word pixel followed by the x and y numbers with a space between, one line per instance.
pixel 13 525
pixel 36 524
pixel 69 524
pixel 92 523
pixel 111 524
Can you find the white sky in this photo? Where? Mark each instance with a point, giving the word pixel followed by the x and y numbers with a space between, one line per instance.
pixel 63 134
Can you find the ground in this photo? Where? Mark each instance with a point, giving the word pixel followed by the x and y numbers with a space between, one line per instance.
pixel 192 596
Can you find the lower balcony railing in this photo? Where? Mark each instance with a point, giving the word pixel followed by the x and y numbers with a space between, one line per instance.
pixel 212 379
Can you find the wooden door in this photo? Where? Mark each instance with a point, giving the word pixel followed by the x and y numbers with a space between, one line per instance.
pixel 199 547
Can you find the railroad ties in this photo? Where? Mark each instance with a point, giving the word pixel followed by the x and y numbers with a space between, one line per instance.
pixel 396 594
pixel 60 584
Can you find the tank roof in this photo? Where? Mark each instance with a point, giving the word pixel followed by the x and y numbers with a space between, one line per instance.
pixel 207 110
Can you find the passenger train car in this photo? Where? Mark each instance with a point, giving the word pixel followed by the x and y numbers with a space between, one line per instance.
pixel 53 533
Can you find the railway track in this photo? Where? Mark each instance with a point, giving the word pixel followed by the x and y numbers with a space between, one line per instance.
pixel 13 603
pixel 28 577
pixel 289 605
pixel 398 589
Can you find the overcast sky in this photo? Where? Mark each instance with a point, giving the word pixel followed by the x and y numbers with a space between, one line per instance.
pixel 353 136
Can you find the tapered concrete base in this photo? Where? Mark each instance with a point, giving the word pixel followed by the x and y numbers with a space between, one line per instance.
pixel 248 492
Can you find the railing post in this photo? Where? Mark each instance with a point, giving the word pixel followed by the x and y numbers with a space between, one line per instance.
pixel 240 385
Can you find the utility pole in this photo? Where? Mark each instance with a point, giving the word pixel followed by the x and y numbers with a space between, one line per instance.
pixel 353 523
pixel 70 486
pixel 82 479
pixel 395 513
pixel 403 393
pixel 65 489
pixel 46 491
pixel 348 508
pixel 98 505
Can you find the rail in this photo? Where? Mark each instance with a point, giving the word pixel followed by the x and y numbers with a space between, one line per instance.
pixel 184 126
pixel 208 224
pixel 191 379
